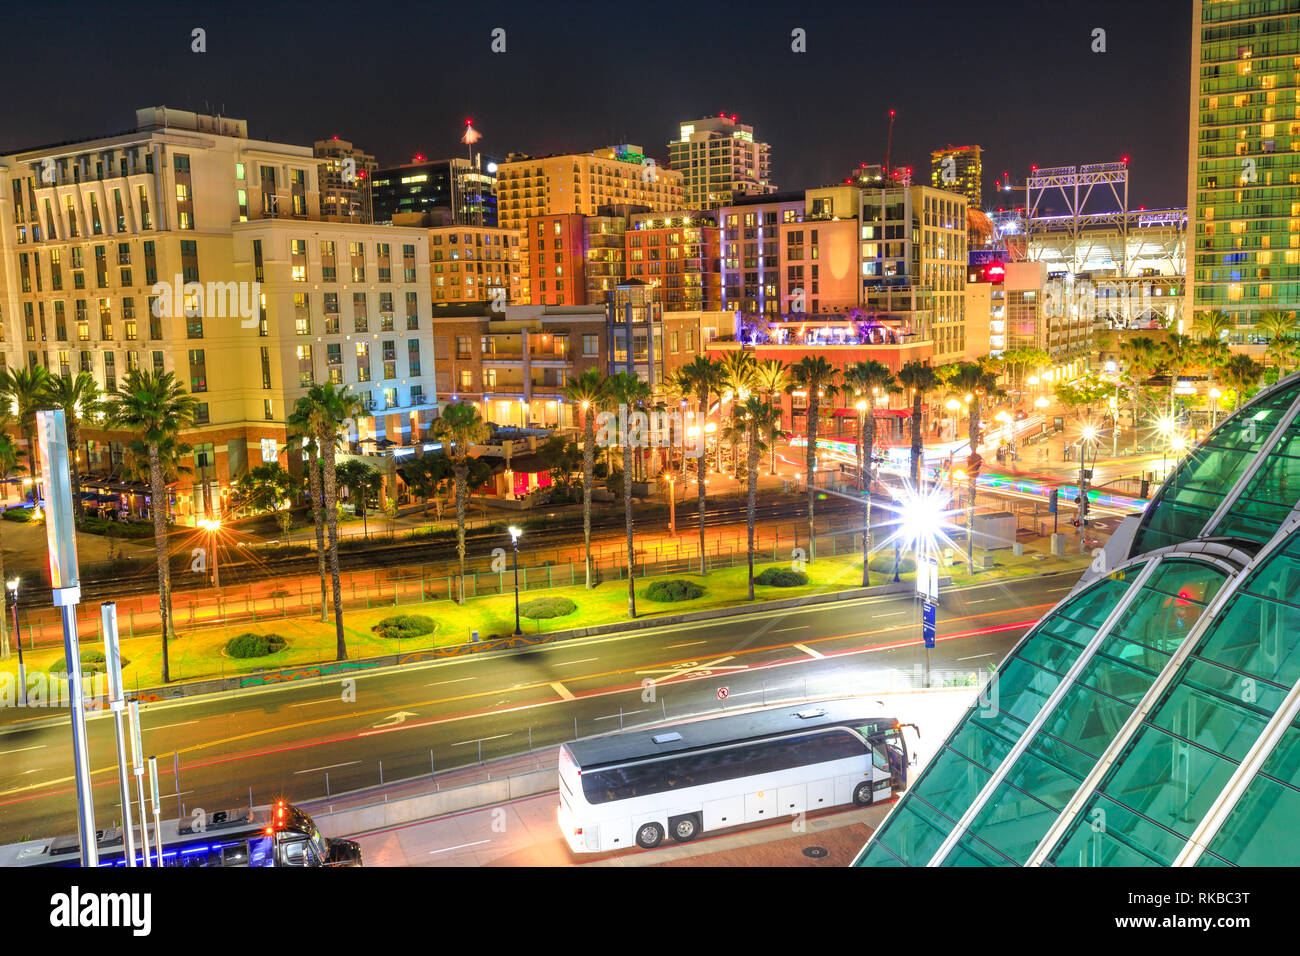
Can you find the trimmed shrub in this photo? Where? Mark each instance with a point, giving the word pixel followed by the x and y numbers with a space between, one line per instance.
pixel 671 591
pixel 93 524
pixel 405 625
pixel 18 514
pixel 781 578
pixel 540 608
pixel 92 662
pixel 254 645
pixel 884 561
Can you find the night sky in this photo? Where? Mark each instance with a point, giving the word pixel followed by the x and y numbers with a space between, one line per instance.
pixel 400 78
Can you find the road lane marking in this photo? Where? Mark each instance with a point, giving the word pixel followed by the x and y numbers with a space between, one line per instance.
pixel 984 601
pixel 780 630
pixel 585 660
pixel 466 743
pixel 626 713
pixel 669 647
pixel 448 849
pixel 458 680
pixel 1054 590
pixel 166 726
pixel 308 703
pixel 976 656
pixel 330 767
pixel 562 690
pixel 21 750
pixel 808 650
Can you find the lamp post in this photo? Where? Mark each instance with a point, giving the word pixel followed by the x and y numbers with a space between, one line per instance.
pixel 18 636
pixel 514 542
pixel 212 526
pixel 1089 435
pixel 672 504
pixel 1214 409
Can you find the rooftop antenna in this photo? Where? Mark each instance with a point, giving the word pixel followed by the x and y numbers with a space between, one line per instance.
pixel 889 143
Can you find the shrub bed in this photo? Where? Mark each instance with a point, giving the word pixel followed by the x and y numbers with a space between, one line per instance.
pixel 18 513
pixel 93 524
pixel 405 626
pixel 884 561
pixel 675 590
pixel 92 662
pixel 782 578
pixel 541 608
pixel 254 645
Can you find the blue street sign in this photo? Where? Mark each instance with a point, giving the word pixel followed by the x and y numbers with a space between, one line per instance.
pixel 927 623
pixel 1051 501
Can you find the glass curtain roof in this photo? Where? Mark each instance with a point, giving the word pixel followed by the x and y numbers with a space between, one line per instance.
pixel 1207 481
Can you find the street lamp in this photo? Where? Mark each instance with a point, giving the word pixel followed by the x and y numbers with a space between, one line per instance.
pixel 709 429
pixel 1089 435
pixel 514 541
pixel 212 526
pixel 1214 410
pixel 672 504
pixel 12 584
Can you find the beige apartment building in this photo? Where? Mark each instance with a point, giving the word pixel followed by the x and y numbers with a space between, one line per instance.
pixel 186 246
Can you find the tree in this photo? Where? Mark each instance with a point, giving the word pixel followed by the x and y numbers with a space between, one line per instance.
pixel 739 378
pixel 760 420
pixel 1083 393
pixel 921 379
pixel 1212 326
pixel 360 479
pixel 587 390
pixel 703 377
pixel 426 475
pixel 460 427
pixel 79 397
pixel 772 378
pixel 8 466
pixel 327 409
pixel 1275 325
pixel 628 391
pixel 1176 353
pixel 867 380
pixel 264 487
pixel 1240 373
pixel 1142 359
pixel 976 380
pixel 28 391
pixel 816 377
pixel 300 426
pixel 155 407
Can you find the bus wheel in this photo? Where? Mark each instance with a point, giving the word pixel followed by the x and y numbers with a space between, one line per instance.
pixel 862 794
pixel 649 835
pixel 685 828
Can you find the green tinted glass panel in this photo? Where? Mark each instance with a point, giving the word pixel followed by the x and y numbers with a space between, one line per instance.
pixel 1168 780
pixel 1108 834
pixel 1258 630
pixel 1196 488
pixel 1284 762
pixel 951 783
pixel 878 855
pixel 1270 495
pixel 1194 711
pixel 912 832
pixel 1261 830
pixel 972 852
pixel 1087 720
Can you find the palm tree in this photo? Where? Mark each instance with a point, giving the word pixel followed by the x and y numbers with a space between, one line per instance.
pixel 867 379
pixel 327 408
pixel 976 380
pixel 1142 359
pixel 155 407
pixel 1276 325
pixel 8 466
pixel 772 378
pixel 299 421
pixel 1212 326
pixel 921 379
pixel 79 397
pixel 760 420
pixel 815 376
pixel 1176 353
pixel 739 378
pixel 27 390
pixel 628 391
pixel 460 427
pixel 1239 373
pixel 587 391
pixel 702 377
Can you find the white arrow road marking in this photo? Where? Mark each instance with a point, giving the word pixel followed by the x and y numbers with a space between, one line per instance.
pixel 394 719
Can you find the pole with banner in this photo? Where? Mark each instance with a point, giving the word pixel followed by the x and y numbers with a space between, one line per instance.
pixel 117 703
pixel 61 538
pixel 157 811
pixel 927 588
pixel 137 768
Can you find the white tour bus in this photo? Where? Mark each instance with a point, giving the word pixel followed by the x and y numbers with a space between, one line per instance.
pixel 637 786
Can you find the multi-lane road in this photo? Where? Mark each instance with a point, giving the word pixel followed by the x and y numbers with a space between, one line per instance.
pixel 290 739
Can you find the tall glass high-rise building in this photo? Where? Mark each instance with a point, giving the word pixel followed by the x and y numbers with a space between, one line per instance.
pixel 1244 159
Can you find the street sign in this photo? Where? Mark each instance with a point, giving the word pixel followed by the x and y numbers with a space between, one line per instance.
pixel 927 624
pixel 1052 500
pixel 724 693
pixel 927 579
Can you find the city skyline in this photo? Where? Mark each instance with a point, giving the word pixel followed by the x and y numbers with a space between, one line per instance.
pixel 991 84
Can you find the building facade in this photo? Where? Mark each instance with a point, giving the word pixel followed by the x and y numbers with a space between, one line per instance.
pixel 464 190
pixel 346 175
pixel 959 169
pixel 720 161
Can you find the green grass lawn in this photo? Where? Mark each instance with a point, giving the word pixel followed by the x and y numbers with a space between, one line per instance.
pixel 197 653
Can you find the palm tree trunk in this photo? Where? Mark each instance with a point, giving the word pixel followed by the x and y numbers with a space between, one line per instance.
pixel 331 506
pixel 30 435
pixel 974 434
pixel 461 471
pixel 627 510
pixel 159 504
pixel 314 487
pixel 74 437
pixel 4 616
pixel 916 440
pixel 699 474
pixel 866 443
pixel 588 468
pixel 752 506
pixel 810 459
